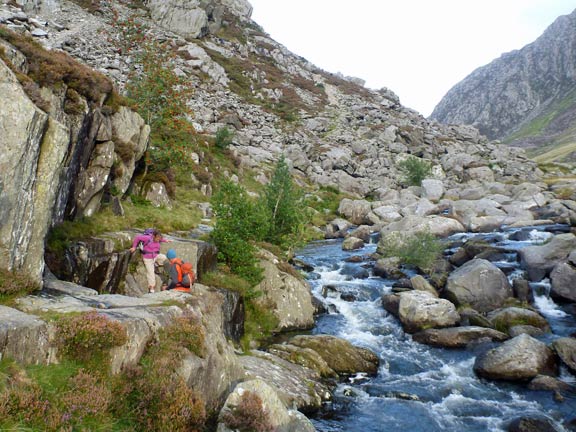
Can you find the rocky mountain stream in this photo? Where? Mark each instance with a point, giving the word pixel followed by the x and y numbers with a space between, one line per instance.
pixel 427 387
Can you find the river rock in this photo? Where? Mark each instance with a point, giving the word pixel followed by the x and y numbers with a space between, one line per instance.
pixel 545 382
pixel 352 243
pixel 479 284
pixel 566 349
pixel 504 319
pixel 391 303
pixel 388 268
pixel 523 291
pixel 304 357
pixel 520 358
pixel 419 310
pixel 532 424
pixel 340 355
pixel 420 284
pixel 517 330
pixel 563 282
pixel 297 386
pixel 471 317
pixel 280 418
pixel 289 294
pixel 458 337
pixel 362 232
pixel 540 260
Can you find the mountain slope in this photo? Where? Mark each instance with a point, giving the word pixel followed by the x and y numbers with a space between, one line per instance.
pixel 527 97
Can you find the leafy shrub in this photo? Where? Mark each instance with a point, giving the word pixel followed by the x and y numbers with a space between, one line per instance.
pixel 414 170
pixel 420 249
pixel 223 138
pixel 239 221
pixel 85 336
pixel 249 415
pixel 185 332
pixel 16 283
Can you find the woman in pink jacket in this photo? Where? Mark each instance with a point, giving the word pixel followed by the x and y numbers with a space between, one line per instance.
pixel 150 254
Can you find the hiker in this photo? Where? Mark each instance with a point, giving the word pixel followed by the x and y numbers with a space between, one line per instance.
pixel 151 255
pixel 181 274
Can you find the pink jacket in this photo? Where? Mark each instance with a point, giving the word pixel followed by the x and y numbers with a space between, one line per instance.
pixel 151 248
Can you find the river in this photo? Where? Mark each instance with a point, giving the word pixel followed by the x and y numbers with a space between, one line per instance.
pixel 418 387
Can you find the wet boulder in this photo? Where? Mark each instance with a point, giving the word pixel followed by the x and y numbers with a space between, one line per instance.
pixel 391 303
pixel 540 260
pixel 336 229
pixel 523 291
pixel 340 355
pixel 563 282
pixel 304 357
pixel 566 350
pixel 388 268
pixel 532 424
pixel 518 359
pixel 419 310
pixel 352 243
pixel 478 284
pixel 419 283
pixel 458 337
pixel 506 318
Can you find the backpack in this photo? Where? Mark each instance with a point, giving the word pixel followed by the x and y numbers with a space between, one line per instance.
pixel 186 276
pixel 148 232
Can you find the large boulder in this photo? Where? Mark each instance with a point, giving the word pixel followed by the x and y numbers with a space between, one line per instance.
pixel 420 310
pixel 458 337
pixel 563 282
pixel 288 294
pixel 279 418
pixel 566 349
pixel 437 225
pixel 540 260
pixel 306 357
pixel 479 284
pixel 518 359
pixel 340 355
pixel 297 386
pixel 506 318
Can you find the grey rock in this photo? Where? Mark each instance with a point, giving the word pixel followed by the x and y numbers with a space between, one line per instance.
pixel 458 337
pixel 520 358
pixel 566 349
pixel 540 260
pixel 479 284
pixel 420 310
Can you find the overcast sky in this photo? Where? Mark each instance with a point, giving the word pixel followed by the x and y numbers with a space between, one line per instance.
pixel 417 48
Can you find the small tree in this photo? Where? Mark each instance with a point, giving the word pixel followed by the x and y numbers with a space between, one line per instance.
pixel 239 221
pixel 420 249
pixel 223 138
pixel 284 204
pixel 414 170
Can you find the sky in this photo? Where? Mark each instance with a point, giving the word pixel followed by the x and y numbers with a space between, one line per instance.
pixel 418 49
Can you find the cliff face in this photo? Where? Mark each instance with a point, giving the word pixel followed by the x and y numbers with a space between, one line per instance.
pixel 523 94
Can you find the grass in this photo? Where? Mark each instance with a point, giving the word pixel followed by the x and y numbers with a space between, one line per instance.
pixel 555 153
